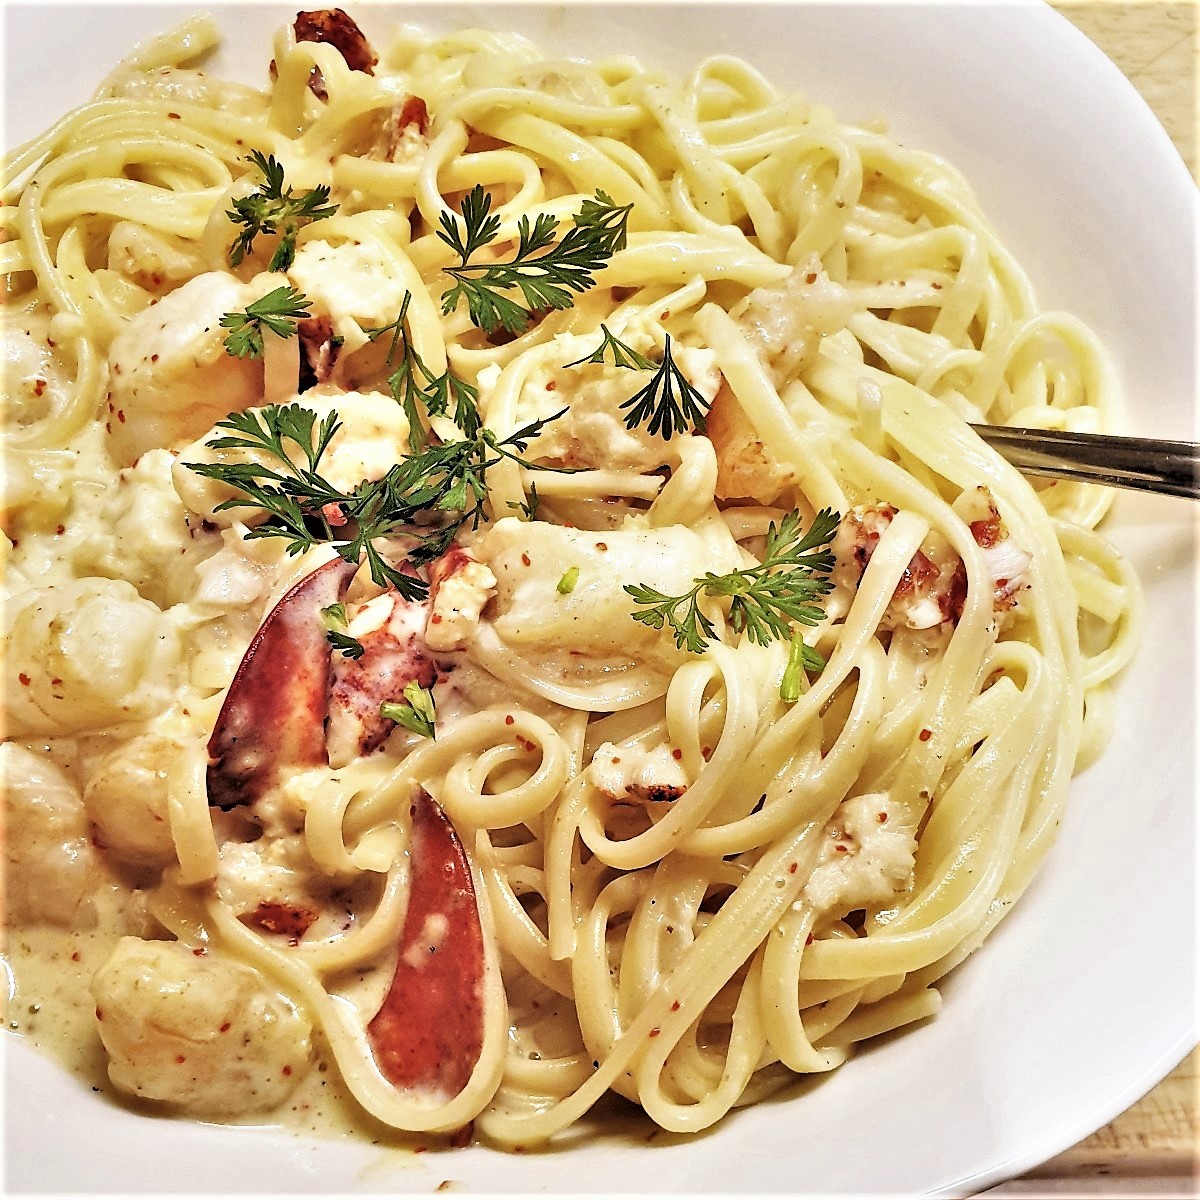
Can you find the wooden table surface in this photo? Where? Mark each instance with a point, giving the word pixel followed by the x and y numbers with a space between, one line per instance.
pixel 1152 1149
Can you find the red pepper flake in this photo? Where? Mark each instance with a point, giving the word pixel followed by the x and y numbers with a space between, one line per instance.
pixel 179 1058
pixel 525 559
pixel 225 1027
pixel 601 545
pixel 552 386
pixel 121 415
pixel 74 955
pixel 881 817
pixel 510 719
pixel 525 744
pixel 808 941
pixel 60 530
pixel 925 734
pixel 334 514
pixel 24 679
pixel 287 1070
pixel 793 868
pixel 842 849
pixel 154 358
pixel 174 117
pixel 674 1005
pixel 435 619
pixel 811 277
pixel 677 754
pixel 199 951
pixel 655 1031
pixel 99 1014
pixel 666 314
pixel 706 752
pixel 39 387
pixel 937 287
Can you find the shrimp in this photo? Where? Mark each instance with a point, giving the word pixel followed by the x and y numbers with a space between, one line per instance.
pixel 84 655
pixel 126 799
pixel 372 437
pixel 51 871
pixel 171 376
pixel 201 1033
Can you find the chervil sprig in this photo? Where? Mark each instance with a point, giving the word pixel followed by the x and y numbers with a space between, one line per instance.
pixel 336 632
pixel 668 404
pixel 545 272
pixel 272 209
pixel 278 311
pixel 446 482
pixel 765 601
pixel 622 354
pixel 413 384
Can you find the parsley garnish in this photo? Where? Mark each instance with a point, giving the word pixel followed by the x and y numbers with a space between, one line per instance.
pixel 763 600
pixel 529 508
pixel 447 481
pixel 412 381
pixel 622 355
pixel 335 631
pixel 545 272
pixel 350 647
pixel 270 209
pixel 668 401
pixel 415 713
pixel 278 311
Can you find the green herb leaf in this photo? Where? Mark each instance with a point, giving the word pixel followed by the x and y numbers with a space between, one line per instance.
pixel 566 585
pixel 350 647
pixel 413 385
pixel 416 712
pixel 278 311
pixel 668 402
pixel 336 624
pixel 272 209
pixel 546 273
pixel 622 355
pixel 802 658
pixel 447 481
pixel 764 601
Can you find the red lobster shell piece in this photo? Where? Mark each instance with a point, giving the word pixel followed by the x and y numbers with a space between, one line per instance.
pixel 273 716
pixel 337 29
pixel 428 1034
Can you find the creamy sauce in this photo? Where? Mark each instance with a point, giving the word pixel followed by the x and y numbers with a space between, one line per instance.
pixel 51 1007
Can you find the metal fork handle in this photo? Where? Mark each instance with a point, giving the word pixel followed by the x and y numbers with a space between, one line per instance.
pixel 1144 464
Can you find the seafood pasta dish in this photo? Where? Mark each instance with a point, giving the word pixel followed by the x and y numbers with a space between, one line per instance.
pixel 506 607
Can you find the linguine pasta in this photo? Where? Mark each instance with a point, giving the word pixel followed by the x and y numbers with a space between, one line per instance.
pixel 696 872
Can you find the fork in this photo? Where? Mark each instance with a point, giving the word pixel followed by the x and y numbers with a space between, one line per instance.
pixel 1145 464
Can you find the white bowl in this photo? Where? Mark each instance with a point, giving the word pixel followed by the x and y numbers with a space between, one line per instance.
pixel 1085 996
